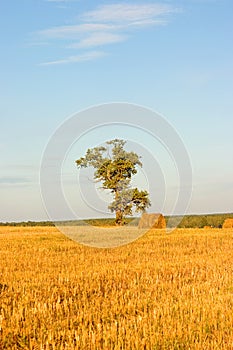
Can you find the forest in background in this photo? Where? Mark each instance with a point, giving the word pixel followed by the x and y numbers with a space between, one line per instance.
pixel 187 221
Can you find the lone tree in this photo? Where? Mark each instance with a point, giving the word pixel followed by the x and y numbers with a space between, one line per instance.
pixel 115 168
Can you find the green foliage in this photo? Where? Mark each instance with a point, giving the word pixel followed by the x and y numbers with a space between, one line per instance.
pixel 188 221
pixel 198 221
pixel 27 223
pixel 114 167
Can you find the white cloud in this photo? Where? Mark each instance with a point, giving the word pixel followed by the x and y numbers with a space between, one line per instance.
pixel 127 12
pixel 108 24
pixel 10 180
pixel 57 0
pixel 98 39
pixel 88 56
pixel 73 31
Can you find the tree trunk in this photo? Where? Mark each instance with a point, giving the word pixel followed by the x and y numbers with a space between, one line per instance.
pixel 119 218
pixel 119 213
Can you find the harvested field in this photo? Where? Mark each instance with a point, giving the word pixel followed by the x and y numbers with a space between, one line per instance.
pixel 163 291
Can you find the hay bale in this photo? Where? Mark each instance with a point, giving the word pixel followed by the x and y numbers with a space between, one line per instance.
pixel 228 223
pixel 152 221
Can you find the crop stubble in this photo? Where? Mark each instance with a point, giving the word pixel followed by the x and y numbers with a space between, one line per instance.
pixel 163 291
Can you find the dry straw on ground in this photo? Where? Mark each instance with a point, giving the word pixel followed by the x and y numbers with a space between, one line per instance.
pixel 161 292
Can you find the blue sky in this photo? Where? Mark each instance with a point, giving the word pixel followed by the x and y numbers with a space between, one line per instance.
pixel 60 57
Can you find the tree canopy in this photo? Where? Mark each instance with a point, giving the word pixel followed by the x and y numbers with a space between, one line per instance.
pixel 114 167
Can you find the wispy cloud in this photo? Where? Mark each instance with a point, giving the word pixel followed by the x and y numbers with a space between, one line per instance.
pixel 8 180
pixel 107 24
pixel 98 39
pixel 73 31
pixel 127 12
pixel 89 56
pixel 57 0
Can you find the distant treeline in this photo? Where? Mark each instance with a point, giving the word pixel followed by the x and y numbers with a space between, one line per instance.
pixel 28 223
pixel 198 221
pixel 188 221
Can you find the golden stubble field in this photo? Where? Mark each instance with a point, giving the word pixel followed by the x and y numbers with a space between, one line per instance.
pixel 161 292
